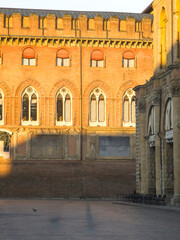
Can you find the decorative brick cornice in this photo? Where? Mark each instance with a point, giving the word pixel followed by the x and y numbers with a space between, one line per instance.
pixel 72 42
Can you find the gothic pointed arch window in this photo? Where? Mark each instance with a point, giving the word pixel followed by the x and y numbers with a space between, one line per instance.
pixel 163 32
pixel 151 121
pixel 64 107
pixel 97 58
pixel 97 108
pixel 151 127
pixel 129 108
pixel 30 106
pixel 29 57
pixel 62 58
pixel 128 59
pixel 169 120
pixel 1 107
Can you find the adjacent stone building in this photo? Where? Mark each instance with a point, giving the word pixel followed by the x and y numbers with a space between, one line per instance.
pixel 158 109
pixel 66 91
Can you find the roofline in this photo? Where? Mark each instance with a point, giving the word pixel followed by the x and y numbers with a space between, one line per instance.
pixel 58 10
pixel 148 9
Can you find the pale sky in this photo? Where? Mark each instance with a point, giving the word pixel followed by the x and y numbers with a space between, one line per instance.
pixel 86 5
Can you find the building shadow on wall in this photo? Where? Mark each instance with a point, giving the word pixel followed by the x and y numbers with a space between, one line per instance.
pixel 49 166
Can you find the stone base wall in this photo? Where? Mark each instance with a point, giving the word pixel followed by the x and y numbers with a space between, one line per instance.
pixel 67 179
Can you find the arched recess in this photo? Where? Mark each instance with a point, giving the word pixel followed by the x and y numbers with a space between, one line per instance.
pixel 29 56
pixel 119 100
pixel 109 106
pixel 163 33
pixel 75 101
pixel 41 96
pixel 5 143
pixel 6 103
pixel 168 149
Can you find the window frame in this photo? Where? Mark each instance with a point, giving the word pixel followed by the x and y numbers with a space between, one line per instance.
pixel 30 122
pixel 124 60
pixel 130 99
pixel 64 92
pixel 29 60
pixel 97 95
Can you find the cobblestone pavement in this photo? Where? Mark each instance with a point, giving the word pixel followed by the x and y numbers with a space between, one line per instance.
pixel 69 220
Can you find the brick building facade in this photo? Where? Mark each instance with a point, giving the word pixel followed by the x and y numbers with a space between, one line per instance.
pixel 66 86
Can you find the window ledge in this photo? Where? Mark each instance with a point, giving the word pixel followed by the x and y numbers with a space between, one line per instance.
pixel 28 123
pixel 63 124
pixel 97 124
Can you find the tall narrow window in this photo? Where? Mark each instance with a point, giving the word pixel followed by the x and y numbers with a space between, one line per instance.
pixel 97 108
pixel 29 57
pixel 1 107
pixel 169 115
pixel 64 107
pixel 62 58
pixel 97 59
pixel 129 112
pixel 30 106
pixel 151 122
pixel 169 121
pixel 128 59
pixel 163 52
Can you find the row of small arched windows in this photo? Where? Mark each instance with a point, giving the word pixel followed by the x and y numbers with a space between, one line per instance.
pixel 63 58
pixel 97 107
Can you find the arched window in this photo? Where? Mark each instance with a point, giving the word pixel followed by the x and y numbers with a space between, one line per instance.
pixel 97 108
pixel 97 58
pixel 62 58
pixel 129 108
pixel 163 53
pixel 151 122
pixel 30 106
pixel 128 59
pixel 169 116
pixel 29 57
pixel 1 107
pixel 64 107
pixel 169 121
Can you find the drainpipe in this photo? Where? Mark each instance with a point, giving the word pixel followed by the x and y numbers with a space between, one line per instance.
pixel 81 142
pixel 8 25
pixel 172 51
pixel 160 138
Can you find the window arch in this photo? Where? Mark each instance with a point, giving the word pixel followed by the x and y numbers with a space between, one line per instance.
pixel 30 106
pixel 169 115
pixel 97 108
pixel 151 121
pixel 62 58
pixel 29 57
pixel 128 59
pixel 129 108
pixel 97 58
pixel 64 107
pixel 1 107
pixel 163 53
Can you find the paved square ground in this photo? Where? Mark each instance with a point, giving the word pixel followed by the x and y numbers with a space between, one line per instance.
pixel 81 220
